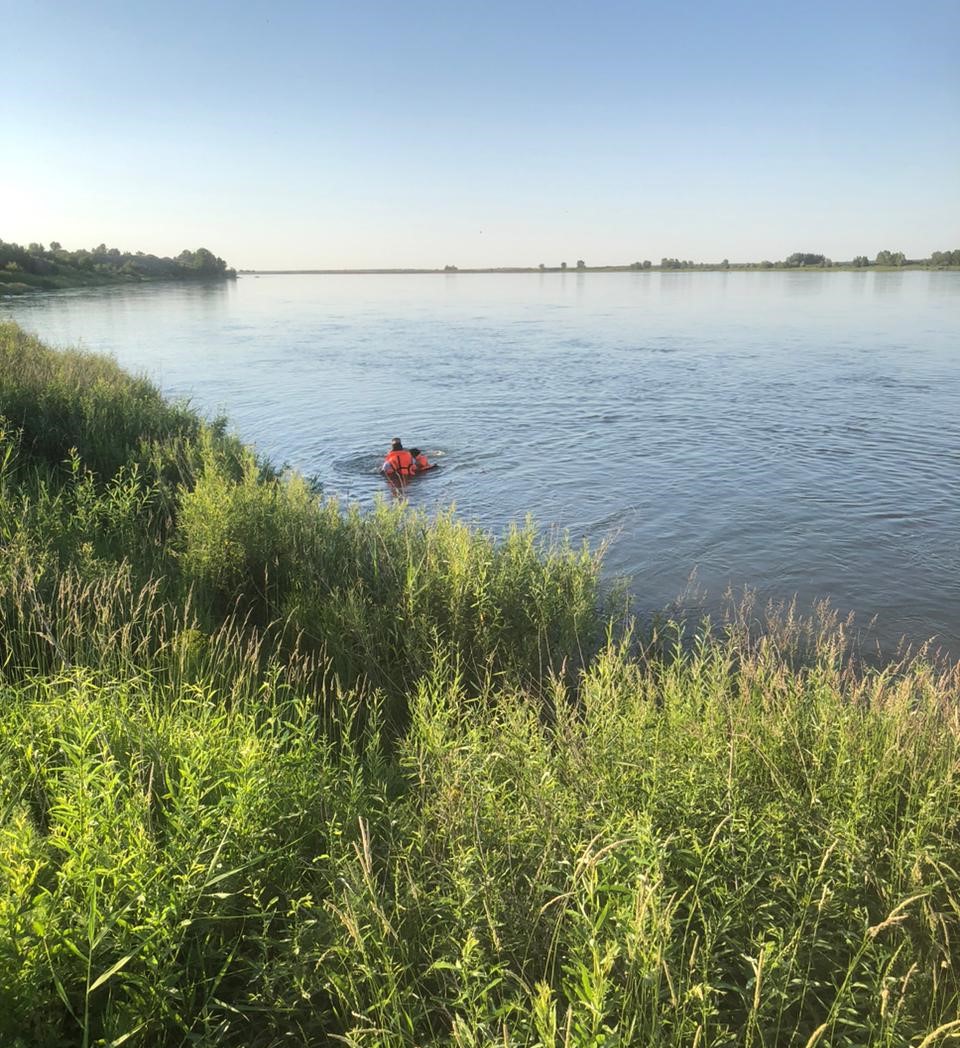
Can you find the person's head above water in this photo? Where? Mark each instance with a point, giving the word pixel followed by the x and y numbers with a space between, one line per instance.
pixel 396 444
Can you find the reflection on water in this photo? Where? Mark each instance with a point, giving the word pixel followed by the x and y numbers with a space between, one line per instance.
pixel 793 432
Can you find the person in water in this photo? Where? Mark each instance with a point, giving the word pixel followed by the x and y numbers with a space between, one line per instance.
pixel 420 460
pixel 399 463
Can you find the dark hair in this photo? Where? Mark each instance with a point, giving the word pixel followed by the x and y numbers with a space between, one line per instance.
pixel 396 444
pixel 414 452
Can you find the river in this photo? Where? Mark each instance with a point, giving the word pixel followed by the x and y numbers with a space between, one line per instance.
pixel 795 433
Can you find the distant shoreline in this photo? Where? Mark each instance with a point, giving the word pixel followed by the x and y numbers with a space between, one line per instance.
pixel 745 267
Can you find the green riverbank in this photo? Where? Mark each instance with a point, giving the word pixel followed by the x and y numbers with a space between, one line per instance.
pixel 274 771
pixel 53 268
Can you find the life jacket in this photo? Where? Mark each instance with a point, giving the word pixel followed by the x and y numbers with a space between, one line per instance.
pixel 422 462
pixel 402 462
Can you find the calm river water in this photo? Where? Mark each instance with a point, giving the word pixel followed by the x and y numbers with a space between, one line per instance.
pixel 796 433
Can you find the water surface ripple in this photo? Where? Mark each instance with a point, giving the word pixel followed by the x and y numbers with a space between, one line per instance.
pixel 796 433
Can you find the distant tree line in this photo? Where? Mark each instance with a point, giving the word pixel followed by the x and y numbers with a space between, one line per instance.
pixel 898 258
pixel 945 258
pixel 798 260
pixel 54 266
pixel 808 259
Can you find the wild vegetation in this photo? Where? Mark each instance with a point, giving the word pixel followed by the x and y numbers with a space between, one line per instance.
pixel 39 268
pixel 273 770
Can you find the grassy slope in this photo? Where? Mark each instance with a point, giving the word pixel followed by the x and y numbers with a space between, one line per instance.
pixel 66 276
pixel 17 283
pixel 269 766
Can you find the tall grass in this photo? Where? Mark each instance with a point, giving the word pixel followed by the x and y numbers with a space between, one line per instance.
pixel 273 770
pixel 692 853
pixel 71 399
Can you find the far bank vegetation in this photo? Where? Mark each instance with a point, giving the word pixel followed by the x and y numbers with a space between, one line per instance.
pixel 798 260
pixel 39 268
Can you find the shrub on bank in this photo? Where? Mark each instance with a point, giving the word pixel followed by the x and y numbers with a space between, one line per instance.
pixel 377 592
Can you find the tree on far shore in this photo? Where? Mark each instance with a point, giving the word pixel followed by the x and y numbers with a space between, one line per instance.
pixel 891 258
pixel 945 258
pixel 805 258
pixel 71 267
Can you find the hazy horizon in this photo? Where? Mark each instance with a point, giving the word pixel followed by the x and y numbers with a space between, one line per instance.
pixel 313 136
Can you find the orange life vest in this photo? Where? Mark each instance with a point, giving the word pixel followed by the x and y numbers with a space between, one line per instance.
pixel 422 462
pixel 402 462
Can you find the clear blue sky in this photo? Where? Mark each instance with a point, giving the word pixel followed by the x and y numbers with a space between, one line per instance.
pixel 300 134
